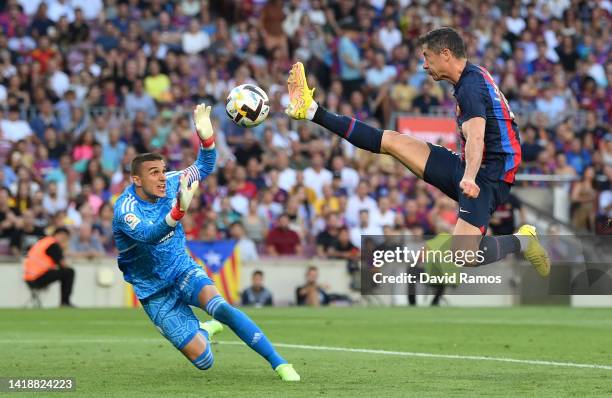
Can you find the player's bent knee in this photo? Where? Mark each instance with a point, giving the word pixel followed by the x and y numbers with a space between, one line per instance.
pixel 206 360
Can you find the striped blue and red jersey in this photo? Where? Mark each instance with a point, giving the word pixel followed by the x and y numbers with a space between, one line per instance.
pixel 478 96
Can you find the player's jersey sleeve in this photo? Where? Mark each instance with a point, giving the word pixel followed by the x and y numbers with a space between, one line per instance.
pixel 471 98
pixel 203 166
pixel 131 222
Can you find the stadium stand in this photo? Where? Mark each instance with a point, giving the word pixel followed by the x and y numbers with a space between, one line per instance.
pixel 85 85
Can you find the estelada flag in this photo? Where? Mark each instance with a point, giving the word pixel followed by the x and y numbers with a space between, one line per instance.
pixel 221 260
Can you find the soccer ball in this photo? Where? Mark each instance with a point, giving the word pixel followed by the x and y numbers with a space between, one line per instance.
pixel 247 105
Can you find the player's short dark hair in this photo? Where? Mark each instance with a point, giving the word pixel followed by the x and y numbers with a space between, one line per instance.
pixel 61 230
pixel 439 39
pixel 258 272
pixel 140 159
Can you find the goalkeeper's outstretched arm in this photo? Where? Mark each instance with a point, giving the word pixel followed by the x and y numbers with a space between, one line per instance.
pixel 207 155
pixel 133 222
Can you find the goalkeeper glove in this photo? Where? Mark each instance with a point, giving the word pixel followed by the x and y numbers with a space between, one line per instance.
pixel 183 199
pixel 201 117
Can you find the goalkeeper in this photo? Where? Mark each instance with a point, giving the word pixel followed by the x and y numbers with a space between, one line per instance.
pixel 152 257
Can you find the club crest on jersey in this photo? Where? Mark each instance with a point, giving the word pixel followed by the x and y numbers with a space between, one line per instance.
pixel 131 220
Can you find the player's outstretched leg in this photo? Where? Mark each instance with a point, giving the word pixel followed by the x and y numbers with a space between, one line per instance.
pixel 247 330
pixel 413 153
pixel 302 106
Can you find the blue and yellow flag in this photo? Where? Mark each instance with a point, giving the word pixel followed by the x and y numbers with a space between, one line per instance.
pixel 221 260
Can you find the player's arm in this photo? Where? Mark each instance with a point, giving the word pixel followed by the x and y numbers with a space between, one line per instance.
pixel 149 231
pixel 207 155
pixel 473 130
pixel 472 105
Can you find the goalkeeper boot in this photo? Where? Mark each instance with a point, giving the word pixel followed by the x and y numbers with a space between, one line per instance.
pixel 287 373
pixel 212 327
pixel 535 253
pixel 300 96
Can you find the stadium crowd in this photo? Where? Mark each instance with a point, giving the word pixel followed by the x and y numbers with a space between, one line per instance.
pixel 87 84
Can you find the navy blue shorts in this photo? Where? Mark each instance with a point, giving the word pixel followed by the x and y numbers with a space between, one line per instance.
pixel 444 170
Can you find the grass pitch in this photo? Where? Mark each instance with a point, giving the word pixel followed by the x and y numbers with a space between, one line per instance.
pixel 120 353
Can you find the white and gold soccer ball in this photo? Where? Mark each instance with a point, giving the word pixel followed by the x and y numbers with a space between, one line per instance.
pixel 247 105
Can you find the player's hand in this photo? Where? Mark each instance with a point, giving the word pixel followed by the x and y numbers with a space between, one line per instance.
pixel 184 196
pixel 201 118
pixel 469 188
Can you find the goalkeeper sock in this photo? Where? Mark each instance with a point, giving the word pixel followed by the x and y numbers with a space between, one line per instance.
pixel 244 328
pixel 357 133
pixel 206 360
pixel 495 248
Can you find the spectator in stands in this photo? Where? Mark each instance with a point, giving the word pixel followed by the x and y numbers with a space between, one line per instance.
pixel 257 295
pixel 138 100
pixel 360 201
pixel 86 244
pixel 45 263
pixel 311 293
pixel 28 231
pixel 365 227
pixel 9 222
pixel 327 239
pixel 424 102
pixel 351 66
pixel 281 240
pixel 255 224
pixel 13 128
pixel 248 250
pixel 44 120
pixel 583 197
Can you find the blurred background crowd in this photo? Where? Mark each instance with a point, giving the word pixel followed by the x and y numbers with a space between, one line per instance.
pixel 87 84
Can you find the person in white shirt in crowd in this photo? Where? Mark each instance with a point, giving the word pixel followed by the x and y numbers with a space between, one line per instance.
pixel 91 8
pixel 389 36
pixel 248 250
pixel 380 73
pixel 194 40
pixel 515 23
pixel 52 201
pixel 283 136
pixel 383 215
pixel 348 175
pixel 316 175
pixel 13 127
pixel 365 227
pixel 286 175
pixel 359 201
pixel 59 8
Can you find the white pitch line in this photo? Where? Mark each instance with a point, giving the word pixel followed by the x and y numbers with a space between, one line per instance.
pixel 437 356
pixel 18 341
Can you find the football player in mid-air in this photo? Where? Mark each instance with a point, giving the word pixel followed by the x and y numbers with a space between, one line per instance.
pixel 153 258
pixel 480 178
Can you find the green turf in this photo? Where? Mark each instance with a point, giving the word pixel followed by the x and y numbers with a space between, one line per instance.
pixel 119 353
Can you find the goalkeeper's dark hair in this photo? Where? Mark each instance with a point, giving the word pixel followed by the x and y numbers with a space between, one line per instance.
pixel 140 159
pixel 439 39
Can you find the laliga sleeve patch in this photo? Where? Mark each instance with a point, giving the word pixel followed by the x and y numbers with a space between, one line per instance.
pixel 131 220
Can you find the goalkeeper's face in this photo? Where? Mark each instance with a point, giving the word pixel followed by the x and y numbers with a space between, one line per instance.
pixel 151 179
